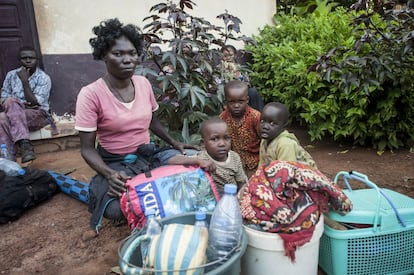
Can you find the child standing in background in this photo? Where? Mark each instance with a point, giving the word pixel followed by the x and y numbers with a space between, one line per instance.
pixel 231 70
pixel 243 122
pixel 223 164
pixel 277 143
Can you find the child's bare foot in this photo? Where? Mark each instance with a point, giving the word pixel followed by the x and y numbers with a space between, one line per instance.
pixel 88 235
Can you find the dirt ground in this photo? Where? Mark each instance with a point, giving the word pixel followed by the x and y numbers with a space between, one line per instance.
pixel 45 239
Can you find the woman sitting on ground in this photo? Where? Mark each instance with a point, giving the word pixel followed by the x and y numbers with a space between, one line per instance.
pixel 117 110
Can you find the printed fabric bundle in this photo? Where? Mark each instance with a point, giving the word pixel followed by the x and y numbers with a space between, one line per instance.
pixel 288 198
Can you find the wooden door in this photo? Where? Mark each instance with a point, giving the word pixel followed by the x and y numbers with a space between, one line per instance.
pixel 17 28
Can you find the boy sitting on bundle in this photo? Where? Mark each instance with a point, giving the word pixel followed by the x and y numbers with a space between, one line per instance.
pixel 277 143
pixel 216 157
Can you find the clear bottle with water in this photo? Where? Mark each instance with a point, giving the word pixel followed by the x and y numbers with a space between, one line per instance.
pixel 11 168
pixel 200 219
pixel 4 152
pixel 152 227
pixel 225 225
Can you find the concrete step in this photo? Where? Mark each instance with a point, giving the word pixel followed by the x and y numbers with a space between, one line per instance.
pixel 64 137
pixel 56 144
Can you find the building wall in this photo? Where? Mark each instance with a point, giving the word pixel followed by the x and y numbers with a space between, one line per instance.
pixel 64 29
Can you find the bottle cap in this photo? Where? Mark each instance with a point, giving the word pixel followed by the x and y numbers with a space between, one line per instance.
pixel 149 212
pixel 200 216
pixel 230 188
pixel 21 172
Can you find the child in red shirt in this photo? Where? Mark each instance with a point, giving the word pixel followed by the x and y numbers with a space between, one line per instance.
pixel 243 122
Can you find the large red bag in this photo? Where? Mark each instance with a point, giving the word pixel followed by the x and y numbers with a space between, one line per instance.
pixel 170 190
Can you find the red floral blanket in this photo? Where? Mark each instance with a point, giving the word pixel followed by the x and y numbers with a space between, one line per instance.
pixel 288 198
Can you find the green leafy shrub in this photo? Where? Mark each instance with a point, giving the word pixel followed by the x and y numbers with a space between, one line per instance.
pixel 349 78
pixel 378 70
pixel 286 50
pixel 185 74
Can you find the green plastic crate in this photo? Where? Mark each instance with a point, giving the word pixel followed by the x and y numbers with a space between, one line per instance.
pixel 385 247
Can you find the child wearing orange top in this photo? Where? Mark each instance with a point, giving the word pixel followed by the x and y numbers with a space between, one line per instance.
pixel 243 122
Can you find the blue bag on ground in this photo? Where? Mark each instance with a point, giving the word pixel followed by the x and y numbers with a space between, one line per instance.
pixel 74 188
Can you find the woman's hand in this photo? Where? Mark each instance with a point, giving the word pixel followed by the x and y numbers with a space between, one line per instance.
pixel 182 146
pixel 116 183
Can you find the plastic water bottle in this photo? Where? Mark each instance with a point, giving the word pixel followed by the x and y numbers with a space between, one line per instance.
pixel 4 153
pixel 11 168
pixel 200 219
pixel 225 225
pixel 152 227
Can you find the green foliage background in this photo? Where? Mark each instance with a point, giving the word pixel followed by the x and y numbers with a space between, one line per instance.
pixel 185 81
pixel 339 75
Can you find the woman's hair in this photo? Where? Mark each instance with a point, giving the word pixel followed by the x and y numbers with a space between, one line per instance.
pixel 110 30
